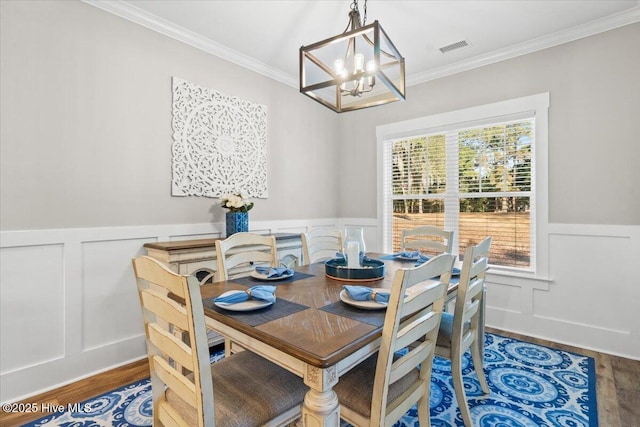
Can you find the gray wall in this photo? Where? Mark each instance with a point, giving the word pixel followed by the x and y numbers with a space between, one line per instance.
pixel 594 149
pixel 86 125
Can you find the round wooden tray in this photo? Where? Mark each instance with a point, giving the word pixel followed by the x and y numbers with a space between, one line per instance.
pixel 372 269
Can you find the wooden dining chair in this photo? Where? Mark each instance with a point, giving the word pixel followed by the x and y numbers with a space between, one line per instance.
pixel 240 390
pixel 380 390
pixel 320 244
pixel 459 331
pixel 239 254
pixel 428 239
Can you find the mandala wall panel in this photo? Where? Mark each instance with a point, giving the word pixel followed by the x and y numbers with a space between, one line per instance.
pixel 219 143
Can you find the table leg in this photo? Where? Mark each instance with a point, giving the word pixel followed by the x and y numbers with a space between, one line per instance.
pixel 321 408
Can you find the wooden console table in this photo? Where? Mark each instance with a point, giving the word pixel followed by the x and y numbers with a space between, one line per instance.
pixel 190 256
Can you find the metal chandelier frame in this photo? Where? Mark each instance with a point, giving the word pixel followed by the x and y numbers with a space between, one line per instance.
pixel 354 89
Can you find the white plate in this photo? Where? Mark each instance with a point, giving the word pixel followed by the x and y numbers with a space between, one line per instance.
pixel 366 305
pixel 264 277
pixel 249 305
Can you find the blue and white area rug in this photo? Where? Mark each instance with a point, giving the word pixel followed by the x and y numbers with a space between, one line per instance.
pixel 531 386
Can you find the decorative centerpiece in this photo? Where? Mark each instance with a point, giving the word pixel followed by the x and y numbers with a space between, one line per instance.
pixel 371 269
pixel 238 216
pixel 353 246
pixel 352 265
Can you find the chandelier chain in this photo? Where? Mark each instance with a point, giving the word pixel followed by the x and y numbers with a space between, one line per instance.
pixel 354 6
pixel 364 18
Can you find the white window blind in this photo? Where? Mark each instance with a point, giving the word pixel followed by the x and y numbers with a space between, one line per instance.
pixel 474 180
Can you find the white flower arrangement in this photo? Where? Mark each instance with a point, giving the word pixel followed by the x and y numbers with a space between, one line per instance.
pixel 236 202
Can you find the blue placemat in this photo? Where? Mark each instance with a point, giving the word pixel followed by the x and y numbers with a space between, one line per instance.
pixel 250 281
pixel 372 317
pixel 278 309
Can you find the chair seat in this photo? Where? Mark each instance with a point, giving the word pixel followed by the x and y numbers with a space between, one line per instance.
pixel 446 330
pixel 355 389
pixel 249 391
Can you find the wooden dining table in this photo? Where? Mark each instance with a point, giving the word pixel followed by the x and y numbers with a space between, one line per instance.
pixel 309 330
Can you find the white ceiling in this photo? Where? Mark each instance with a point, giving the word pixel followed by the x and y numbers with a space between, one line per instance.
pixel 266 35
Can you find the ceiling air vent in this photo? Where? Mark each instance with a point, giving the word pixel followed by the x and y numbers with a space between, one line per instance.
pixel 454 46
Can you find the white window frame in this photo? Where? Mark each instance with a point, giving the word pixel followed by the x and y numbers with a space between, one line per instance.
pixel 536 106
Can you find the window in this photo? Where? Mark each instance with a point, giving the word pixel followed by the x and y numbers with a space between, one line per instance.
pixel 478 172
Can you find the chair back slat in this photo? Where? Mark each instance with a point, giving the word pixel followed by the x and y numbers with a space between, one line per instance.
pixel 323 246
pixel 418 297
pixel 423 244
pixel 165 308
pixel 412 360
pixel 470 310
pixel 251 259
pixel 417 328
pixel 168 344
pixel 168 416
pixel 402 405
pixel 475 288
pixel 154 274
pixel 479 267
pixel 175 380
pixel 429 238
pixel 320 243
pixel 236 254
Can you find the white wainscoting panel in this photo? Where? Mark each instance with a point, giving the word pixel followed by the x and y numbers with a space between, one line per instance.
pixel 591 298
pixel 110 307
pixel 506 298
pixel 32 306
pixel 585 269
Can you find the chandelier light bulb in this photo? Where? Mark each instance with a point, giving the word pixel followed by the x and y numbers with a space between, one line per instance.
pixel 371 66
pixel 358 61
pixel 343 75
pixel 339 66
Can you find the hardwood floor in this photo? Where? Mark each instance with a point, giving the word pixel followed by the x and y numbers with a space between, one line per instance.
pixel 617 386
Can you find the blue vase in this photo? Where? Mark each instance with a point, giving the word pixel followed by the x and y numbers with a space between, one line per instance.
pixel 237 222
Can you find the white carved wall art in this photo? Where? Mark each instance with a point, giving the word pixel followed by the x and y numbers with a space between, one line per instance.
pixel 220 143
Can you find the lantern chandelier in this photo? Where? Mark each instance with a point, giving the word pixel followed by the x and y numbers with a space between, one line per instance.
pixel 357 69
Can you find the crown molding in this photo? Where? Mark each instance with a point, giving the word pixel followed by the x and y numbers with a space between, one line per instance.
pixel 169 29
pixel 571 34
pixel 153 22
